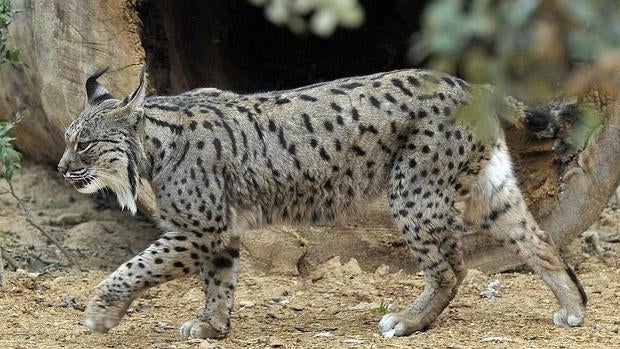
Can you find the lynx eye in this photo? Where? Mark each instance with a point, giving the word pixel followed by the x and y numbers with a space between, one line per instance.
pixel 82 146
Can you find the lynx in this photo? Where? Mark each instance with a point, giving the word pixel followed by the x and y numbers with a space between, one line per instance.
pixel 222 163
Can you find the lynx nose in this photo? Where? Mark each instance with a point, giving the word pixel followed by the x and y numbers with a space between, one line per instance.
pixel 62 168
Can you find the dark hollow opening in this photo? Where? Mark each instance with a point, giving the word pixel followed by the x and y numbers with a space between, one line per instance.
pixel 229 44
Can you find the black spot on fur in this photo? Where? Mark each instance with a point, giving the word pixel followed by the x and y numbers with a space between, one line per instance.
pixel 217 144
pixel 402 87
pixel 307 122
pixel 358 150
pixel 307 98
pixel 222 262
pixel 375 102
pixel 413 81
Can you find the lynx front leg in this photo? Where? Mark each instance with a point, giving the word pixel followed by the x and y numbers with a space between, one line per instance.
pixel 219 278
pixel 171 256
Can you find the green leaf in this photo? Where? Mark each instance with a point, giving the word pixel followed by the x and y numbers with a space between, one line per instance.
pixel 521 11
pixel 9 157
pixel 590 118
pixel 480 114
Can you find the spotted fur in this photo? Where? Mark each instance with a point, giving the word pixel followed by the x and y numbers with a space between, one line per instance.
pixel 222 163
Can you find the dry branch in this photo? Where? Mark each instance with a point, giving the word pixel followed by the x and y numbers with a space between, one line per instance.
pixel 30 221
pixel 2 277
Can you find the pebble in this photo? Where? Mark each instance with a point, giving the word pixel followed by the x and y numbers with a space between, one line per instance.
pixel 246 304
pixel 323 334
pixel 491 289
pixel 275 343
pixel 382 270
pixel 352 341
pixel 496 339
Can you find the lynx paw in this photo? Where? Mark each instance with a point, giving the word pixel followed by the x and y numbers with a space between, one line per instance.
pixel 563 317
pixel 101 315
pixel 400 324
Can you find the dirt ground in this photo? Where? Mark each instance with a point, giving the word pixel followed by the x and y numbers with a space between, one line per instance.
pixel 289 296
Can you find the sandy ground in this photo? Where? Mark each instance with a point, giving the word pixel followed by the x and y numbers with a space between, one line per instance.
pixel 334 304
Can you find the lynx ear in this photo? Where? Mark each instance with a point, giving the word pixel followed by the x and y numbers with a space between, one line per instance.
pixel 95 92
pixel 136 99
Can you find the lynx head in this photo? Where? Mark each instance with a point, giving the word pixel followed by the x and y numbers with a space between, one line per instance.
pixel 103 147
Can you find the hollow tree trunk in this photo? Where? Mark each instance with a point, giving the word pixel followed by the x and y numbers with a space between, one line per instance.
pixel 565 198
pixel 186 44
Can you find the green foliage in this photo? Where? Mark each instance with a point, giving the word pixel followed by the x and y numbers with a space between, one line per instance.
pixel 535 50
pixel 383 306
pixel 481 115
pixel 7 55
pixel 9 157
pixel 321 17
pixel 590 118
pixel 530 49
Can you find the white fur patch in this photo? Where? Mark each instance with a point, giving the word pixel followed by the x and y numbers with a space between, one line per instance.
pixel 124 196
pixel 88 189
pixel 499 168
pixel 573 320
pixel 123 193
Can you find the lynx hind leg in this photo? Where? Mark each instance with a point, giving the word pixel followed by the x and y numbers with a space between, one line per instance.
pixel 497 206
pixel 219 278
pixel 422 212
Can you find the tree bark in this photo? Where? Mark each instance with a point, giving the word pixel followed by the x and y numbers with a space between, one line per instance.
pixel 564 198
pixel 63 42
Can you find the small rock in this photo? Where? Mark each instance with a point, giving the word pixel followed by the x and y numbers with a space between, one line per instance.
pixel 22 272
pixel 590 242
pixel 165 346
pixel 323 334
pixel 206 345
pixel 278 301
pixel 364 306
pixel 352 341
pixel 496 339
pixel 352 267
pixel 246 304
pixel 382 270
pixel 296 307
pixel 164 325
pixel 491 289
pixel 59 280
pixel 69 302
pixel 68 218
pixel 275 343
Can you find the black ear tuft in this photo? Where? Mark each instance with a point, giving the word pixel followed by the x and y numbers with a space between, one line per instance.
pixel 138 95
pixel 95 92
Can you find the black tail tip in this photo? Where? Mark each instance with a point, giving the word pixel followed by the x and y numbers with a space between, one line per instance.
pixel 573 277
